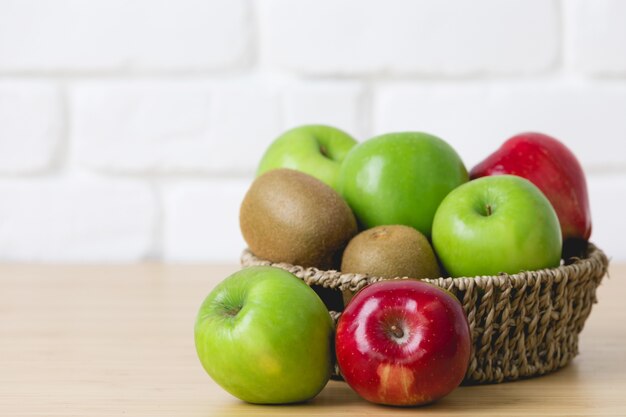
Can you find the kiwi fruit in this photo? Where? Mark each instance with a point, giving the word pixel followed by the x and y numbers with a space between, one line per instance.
pixel 389 252
pixel 289 216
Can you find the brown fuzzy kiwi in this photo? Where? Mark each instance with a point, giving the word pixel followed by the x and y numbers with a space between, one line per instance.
pixel 289 216
pixel 389 252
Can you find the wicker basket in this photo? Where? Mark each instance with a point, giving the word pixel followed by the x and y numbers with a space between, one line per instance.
pixel 522 325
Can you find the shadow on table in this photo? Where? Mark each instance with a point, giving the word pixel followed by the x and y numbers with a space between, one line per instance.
pixel 517 397
pixel 507 397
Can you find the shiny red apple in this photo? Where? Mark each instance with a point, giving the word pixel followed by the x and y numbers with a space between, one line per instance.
pixel 403 342
pixel 554 169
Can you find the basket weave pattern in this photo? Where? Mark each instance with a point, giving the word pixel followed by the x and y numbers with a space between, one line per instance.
pixel 522 325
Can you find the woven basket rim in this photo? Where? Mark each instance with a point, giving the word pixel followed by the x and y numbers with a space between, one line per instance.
pixel 594 259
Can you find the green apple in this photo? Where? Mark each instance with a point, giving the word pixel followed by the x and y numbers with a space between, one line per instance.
pixel 316 150
pixel 496 224
pixel 400 178
pixel 265 337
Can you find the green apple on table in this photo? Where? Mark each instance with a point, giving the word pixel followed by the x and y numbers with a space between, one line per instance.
pixel 496 224
pixel 317 150
pixel 265 337
pixel 400 178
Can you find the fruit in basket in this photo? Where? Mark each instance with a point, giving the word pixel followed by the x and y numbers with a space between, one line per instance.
pixel 400 178
pixel 317 150
pixel 496 224
pixel 389 252
pixel 265 337
pixel 403 342
pixel 289 216
pixel 552 167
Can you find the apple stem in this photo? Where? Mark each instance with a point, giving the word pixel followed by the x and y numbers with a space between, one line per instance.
pixel 232 311
pixel 396 331
pixel 489 210
pixel 324 151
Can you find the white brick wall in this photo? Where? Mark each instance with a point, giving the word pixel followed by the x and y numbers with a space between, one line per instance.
pixel 31 126
pixel 341 104
pixel 135 127
pixel 597 30
pixel 130 129
pixel 444 37
pixel 79 220
pixel 202 219
pixel 123 35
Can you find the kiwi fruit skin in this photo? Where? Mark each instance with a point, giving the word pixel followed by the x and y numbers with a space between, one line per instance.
pixel 390 252
pixel 288 216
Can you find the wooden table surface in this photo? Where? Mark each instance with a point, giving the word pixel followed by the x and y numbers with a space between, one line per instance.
pixel 118 340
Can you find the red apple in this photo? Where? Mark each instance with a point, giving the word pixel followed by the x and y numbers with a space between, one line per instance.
pixel 554 169
pixel 403 342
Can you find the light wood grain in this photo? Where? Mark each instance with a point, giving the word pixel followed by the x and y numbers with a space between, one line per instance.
pixel 118 340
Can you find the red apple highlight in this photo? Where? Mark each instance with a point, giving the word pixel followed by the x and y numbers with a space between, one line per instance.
pixel 554 169
pixel 403 343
